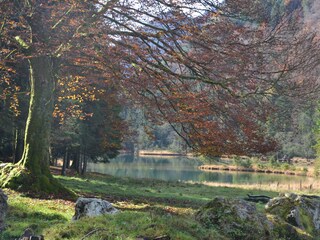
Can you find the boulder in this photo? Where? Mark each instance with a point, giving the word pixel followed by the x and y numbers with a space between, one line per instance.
pixel 283 230
pixel 236 218
pixel 92 207
pixel 301 211
pixel 29 235
pixel 3 208
pixel 2 165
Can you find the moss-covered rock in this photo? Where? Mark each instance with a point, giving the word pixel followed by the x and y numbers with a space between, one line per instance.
pixel 283 230
pixel 300 211
pixel 236 218
pixel 3 209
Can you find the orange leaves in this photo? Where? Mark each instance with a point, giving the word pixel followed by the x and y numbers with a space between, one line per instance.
pixel 9 89
pixel 73 111
pixel 14 105
pixel 57 113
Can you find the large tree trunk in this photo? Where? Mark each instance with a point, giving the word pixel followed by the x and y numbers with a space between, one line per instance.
pixel 32 172
pixel 36 143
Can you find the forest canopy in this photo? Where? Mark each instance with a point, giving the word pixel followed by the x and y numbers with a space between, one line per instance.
pixel 211 70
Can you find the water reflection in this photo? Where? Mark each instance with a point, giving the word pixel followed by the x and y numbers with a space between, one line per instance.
pixel 179 168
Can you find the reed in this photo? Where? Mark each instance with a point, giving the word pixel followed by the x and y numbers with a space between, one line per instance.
pixel 308 186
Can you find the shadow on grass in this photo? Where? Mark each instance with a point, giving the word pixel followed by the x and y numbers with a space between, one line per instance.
pixel 21 217
pixel 150 191
pixel 132 190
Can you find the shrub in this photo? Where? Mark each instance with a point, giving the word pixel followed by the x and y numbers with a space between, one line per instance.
pixel 240 162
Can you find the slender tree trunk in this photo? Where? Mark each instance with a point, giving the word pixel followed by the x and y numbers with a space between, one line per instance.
pixel 65 162
pixel 18 145
pixel 14 144
pixel 75 161
pixel 84 167
pixel 79 169
pixel 68 159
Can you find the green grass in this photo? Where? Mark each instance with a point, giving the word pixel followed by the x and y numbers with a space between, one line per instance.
pixel 153 191
pixel 131 225
pixel 149 208
pixel 38 214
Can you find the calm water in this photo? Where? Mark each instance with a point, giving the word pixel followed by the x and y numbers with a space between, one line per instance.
pixel 179 168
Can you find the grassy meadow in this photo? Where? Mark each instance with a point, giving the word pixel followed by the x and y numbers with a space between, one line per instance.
pixel 149 209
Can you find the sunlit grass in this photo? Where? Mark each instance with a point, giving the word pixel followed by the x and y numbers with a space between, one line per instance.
pixel 149 208
pixel 37 214
pixel 132 225
pixel 154 191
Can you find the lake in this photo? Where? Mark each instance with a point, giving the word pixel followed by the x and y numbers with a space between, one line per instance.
pixel 182 169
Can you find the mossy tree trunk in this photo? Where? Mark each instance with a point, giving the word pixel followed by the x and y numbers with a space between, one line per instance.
pixel 32 172
pixel 35 157
pixel 40 114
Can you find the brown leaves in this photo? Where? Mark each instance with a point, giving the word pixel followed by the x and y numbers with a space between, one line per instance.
pixel 207 69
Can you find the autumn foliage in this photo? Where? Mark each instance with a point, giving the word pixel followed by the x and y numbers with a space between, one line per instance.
pixel 212 77
pixel 207 68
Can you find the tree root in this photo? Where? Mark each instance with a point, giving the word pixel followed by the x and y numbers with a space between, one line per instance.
pixel 17 177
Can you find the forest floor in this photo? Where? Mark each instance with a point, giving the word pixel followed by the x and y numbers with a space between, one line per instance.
pixel 149 209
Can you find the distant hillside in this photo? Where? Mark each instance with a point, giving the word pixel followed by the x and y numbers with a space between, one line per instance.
pixel 272 10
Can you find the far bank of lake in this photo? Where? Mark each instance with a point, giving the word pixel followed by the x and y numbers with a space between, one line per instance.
pixel 187 169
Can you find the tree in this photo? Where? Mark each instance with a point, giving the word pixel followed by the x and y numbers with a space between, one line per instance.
pixel 213 81
pixel 13 109
pixel 40 32
pixel 206 68
pixel 95 133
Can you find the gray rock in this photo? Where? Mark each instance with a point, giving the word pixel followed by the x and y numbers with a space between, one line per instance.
pixel 2 165
pixel 36 237
pixel 301 211
pixel 3 208
pixel 92 207
pixel 236 218
pixel 29 235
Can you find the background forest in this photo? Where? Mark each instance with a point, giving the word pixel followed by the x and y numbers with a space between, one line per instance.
pixel 98 122
pixel 234 82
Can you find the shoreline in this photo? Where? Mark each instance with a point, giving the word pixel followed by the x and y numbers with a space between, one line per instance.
pixel 156 153
pixel 163 153
pixel 232 168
